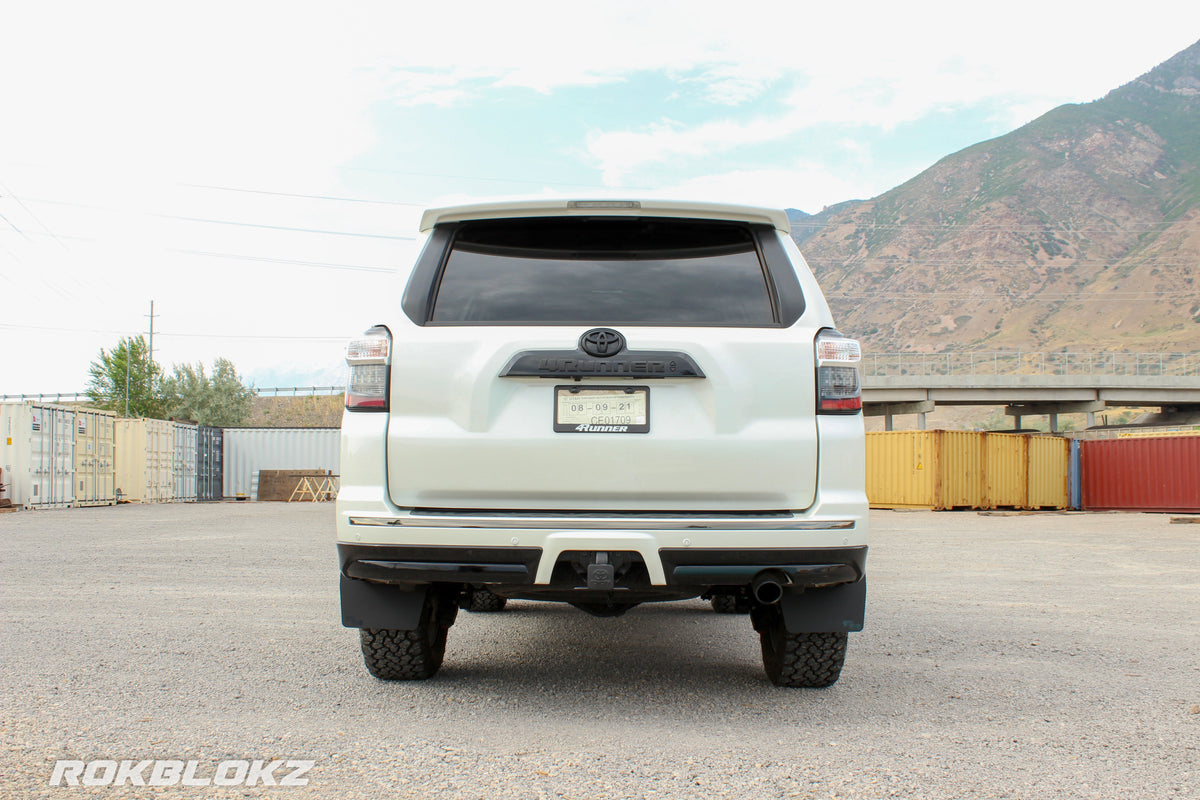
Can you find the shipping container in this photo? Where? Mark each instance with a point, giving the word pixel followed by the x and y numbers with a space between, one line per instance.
pixel 249 450
pixel 183 436
pixel 1049 468
pixel 210 471
pixel 1007 470
pixel 1142 474
pixel 1158 433
pixel 145 463
pixel 37 454
pixel 1076 478
pixel 962 473
pixel 903 470
pixel 95 475
pixel 965 469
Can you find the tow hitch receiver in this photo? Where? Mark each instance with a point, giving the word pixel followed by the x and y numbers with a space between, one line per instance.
pixel 601 575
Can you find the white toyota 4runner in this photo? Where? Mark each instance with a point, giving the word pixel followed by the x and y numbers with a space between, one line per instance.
pixel 604 403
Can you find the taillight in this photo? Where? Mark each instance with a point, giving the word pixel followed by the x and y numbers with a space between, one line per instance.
pixel 369 358
pixel 838 387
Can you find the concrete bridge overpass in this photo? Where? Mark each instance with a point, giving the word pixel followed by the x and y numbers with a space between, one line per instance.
pixel 1029 384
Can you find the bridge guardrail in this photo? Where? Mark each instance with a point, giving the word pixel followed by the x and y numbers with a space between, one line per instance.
pixel 1000 362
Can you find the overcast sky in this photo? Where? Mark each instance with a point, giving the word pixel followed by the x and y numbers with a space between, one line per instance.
pixel 258 169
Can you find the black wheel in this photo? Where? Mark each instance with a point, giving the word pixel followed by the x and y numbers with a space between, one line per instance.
pixel 730 604
pixel 484 600
pixel 802 660
pixel 400 655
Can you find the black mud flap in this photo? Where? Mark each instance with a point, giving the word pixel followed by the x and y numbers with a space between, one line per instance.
pixel 381 605
pixel 840 609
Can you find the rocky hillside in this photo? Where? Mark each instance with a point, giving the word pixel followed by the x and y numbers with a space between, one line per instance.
pixel 1080 230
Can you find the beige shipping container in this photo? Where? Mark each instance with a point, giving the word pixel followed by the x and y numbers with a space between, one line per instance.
pixel 37 455
pixel 145 450
pixel 95 478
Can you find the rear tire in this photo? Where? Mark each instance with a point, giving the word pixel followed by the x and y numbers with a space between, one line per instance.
pixel 730 604
pixel 409 655
pixel 801 660
pixel 484 600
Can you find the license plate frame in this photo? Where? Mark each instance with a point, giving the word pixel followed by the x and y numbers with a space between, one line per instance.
pixel 567 420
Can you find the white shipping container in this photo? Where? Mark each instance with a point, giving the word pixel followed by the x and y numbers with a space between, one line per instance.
pixel 184 468
pixel 95 478
pixel 37 454
pixel 249 450
pixel 145 464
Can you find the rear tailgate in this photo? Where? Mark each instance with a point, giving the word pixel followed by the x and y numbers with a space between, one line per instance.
pixel 741 438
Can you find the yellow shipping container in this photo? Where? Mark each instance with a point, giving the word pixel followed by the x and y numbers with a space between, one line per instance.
pixel 965 469
pixel 1049 470
pixel 902 469
pixel 963 474
pixel 926 469
pixel 1007 468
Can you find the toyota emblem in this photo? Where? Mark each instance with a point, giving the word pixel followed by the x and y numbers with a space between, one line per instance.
pixel 602 342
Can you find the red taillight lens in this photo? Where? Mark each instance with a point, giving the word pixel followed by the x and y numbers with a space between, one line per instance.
pixel 838 388
pixel 369 359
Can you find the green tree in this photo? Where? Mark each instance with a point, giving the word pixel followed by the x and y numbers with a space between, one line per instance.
pixel 125 380
pixel 221 399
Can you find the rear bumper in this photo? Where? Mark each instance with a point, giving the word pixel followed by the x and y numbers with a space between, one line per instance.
pixel 682 568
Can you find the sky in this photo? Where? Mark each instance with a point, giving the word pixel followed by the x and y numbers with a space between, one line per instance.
pixel 257 170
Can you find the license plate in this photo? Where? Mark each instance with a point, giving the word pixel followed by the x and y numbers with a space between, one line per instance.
pixel 602 409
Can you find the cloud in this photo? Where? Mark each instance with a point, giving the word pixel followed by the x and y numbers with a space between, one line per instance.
pixel 800 185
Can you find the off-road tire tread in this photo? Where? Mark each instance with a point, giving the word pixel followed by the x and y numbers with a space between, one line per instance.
pixel 802 660
pixel 397 655
pixel 482 600
pixel 730 604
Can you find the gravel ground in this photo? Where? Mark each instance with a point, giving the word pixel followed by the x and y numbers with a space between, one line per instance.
pixel 1022 656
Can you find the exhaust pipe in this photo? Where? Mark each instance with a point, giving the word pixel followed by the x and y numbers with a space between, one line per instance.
pixel 767 586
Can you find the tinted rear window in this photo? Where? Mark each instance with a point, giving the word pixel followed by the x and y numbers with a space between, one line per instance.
pixel 604 271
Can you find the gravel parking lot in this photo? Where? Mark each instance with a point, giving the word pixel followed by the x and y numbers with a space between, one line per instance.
pixel 1023 656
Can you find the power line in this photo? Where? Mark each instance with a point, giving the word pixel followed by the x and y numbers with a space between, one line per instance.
pixel 289 261
pixel 304 196
pixel 12 225
pixel 160 334
pixel 285 228
pixel 488 179
pixel 33 216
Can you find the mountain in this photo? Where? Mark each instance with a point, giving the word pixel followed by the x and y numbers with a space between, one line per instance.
pixel 1080 230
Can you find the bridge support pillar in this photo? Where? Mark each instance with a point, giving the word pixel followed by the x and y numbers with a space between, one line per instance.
pixel 889 411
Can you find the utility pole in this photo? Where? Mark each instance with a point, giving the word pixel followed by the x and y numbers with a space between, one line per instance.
pixel 150 363
pixel 151 315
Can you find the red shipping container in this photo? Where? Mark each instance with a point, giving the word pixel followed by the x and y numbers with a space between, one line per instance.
pixel 1142 474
